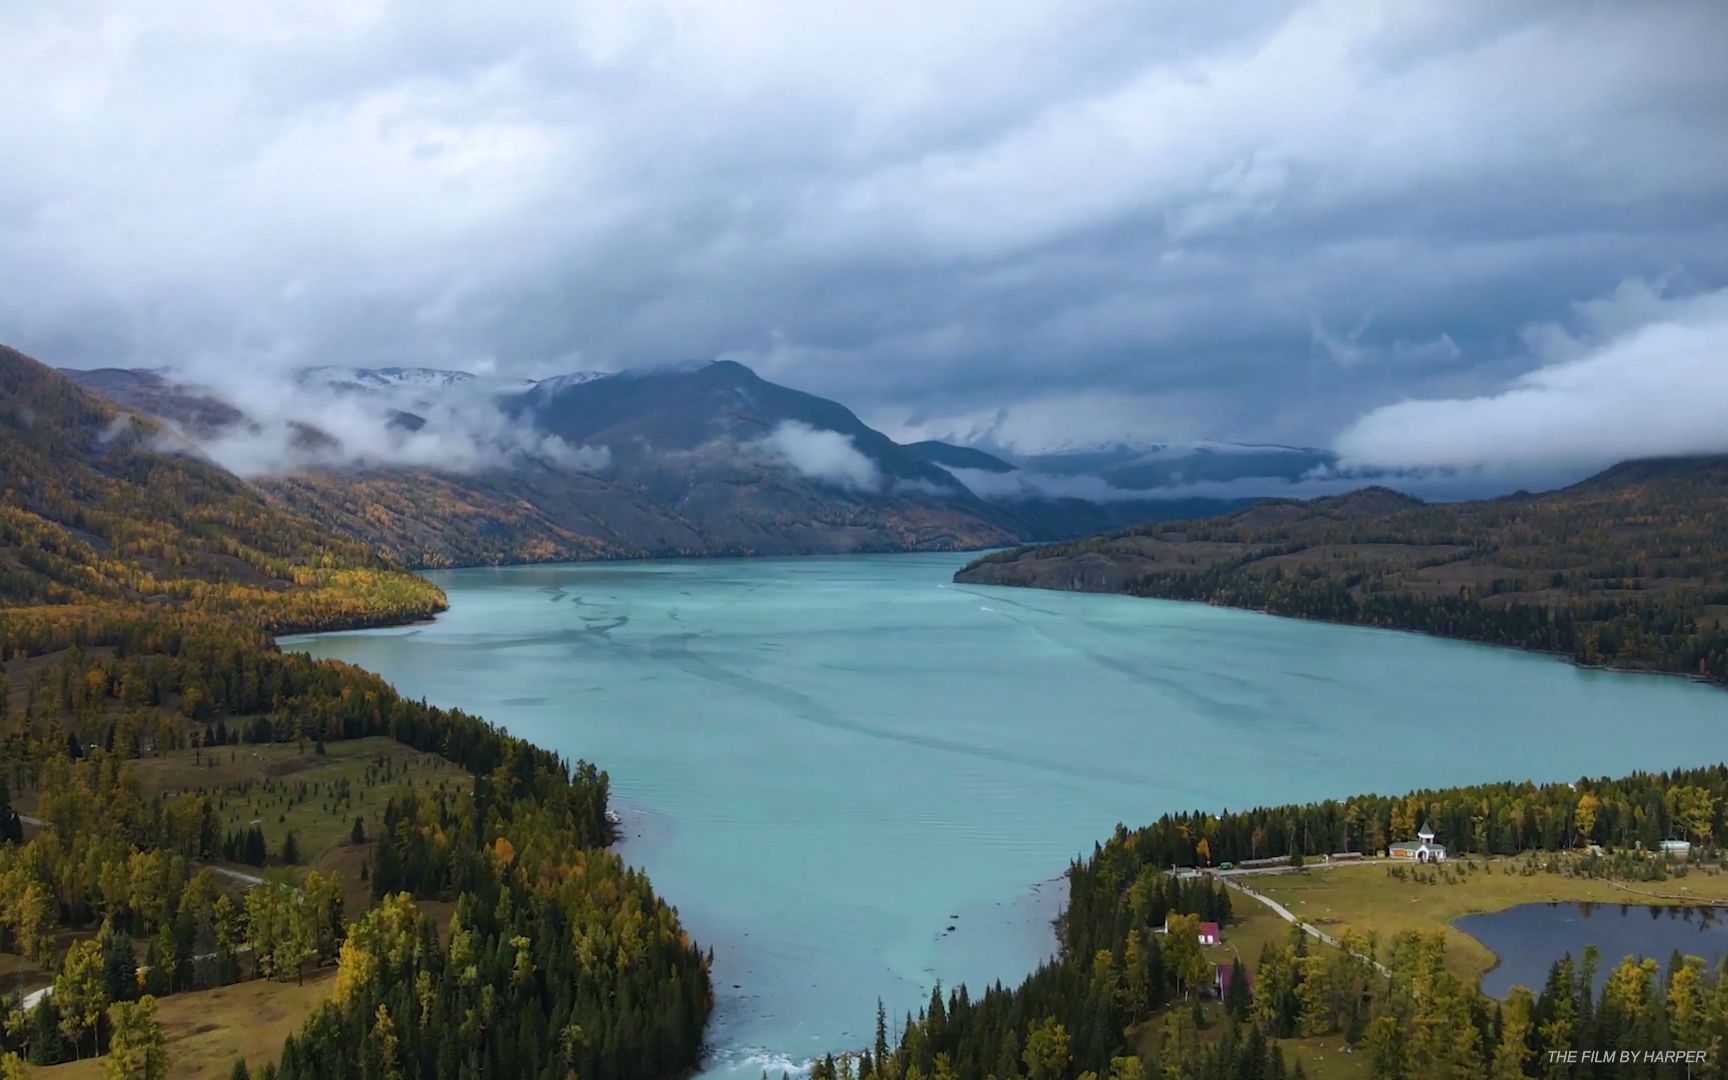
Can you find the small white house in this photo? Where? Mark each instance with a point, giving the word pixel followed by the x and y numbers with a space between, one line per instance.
pixel 1423 849
pixel 1677 849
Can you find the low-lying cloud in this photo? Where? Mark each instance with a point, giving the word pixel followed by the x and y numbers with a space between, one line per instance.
pixel 291 424
pixel 1657 387
pixel 827 457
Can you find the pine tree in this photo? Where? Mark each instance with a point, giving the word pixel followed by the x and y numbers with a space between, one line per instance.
pixel 881 1033
pixel 119 967
pixel 1237 1000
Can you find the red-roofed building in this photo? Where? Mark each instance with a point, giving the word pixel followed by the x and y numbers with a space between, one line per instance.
pixel 1207 932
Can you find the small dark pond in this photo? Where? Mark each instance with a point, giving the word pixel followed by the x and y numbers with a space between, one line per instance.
pixel 1529 938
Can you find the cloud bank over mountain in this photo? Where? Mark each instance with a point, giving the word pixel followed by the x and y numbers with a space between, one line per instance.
pixel 449 421
pixel 825 456
pixel 1645 375
pixel 1061 221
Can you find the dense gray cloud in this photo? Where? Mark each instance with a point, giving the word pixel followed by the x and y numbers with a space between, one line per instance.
pixel 1043 224
pixel 1656 385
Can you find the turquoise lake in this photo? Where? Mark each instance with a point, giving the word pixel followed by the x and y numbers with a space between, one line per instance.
pixel 827 763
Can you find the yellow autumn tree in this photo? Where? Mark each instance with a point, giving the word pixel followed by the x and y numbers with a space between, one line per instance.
pixel 135 1050
pixel 1585 816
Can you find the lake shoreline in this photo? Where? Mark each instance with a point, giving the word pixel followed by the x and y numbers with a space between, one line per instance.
pixel 735 556
pixel 1703 680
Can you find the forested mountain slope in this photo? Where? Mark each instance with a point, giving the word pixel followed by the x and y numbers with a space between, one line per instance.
pixel 473 927
pixel 99 506
pixel 1628 568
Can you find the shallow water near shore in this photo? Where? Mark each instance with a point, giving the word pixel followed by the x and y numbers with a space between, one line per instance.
pixel 854 777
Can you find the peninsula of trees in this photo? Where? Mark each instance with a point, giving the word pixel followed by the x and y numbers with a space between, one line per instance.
pixel 1628 569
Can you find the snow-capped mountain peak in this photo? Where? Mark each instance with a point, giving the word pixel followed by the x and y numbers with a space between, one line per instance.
pixel 420 380
pixel 557 384
pixel 385 378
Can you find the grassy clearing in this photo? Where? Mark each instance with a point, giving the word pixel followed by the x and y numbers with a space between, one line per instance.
pixel 1325 1057
pixel 284 787
pixel 205 1030
pixel 1255 927
pixel 1369 899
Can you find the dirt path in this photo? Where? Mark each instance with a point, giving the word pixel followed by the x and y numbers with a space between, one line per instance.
pixel 1308 928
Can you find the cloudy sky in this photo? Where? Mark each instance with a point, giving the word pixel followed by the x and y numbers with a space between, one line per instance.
pixel 1423 233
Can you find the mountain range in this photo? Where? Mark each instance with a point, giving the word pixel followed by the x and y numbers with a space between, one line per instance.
pixel 446 468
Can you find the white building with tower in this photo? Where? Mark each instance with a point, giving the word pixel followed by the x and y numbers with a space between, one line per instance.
pixel 1423 849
